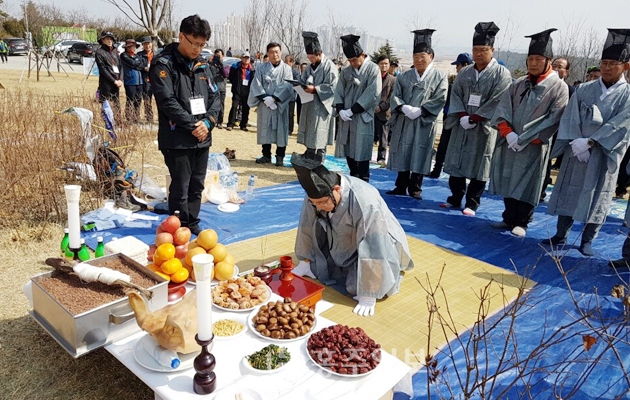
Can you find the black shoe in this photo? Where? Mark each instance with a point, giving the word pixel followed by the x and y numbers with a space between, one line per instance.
pixel 435 173
pixel 586 249
pixel 244 129
pixel 279 161
pixel 416 195
pixel 554 240
pixel 263 160
pixel 622 263
pixel 397 192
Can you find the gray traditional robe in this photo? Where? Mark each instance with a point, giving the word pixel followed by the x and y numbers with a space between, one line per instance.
pixel 367 244
pixel 317 123
pixel 533 113
pixel 272 125
pixel 356 137
pixel 470 151
pixel 584 191
pixel 411 146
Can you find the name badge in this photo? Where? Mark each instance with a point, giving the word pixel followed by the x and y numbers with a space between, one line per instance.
pixel 148 65
pixel 115 68
pixel 245 82
pixel 197 106
pixel 474 100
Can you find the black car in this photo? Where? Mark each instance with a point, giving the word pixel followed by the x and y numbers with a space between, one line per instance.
pixel 16 46
pixel 78 51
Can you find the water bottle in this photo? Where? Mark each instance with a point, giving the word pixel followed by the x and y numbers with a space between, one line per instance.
pixel 100 248
pixel 84 253
pixel 164 357
pixel 65 242
pixel 251 183
pixel 235 181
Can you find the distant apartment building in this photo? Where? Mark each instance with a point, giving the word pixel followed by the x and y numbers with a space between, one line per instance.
pixel 229 33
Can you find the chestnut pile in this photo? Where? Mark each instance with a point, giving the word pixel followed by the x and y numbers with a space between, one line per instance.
pixel 284 319
pixel 348 351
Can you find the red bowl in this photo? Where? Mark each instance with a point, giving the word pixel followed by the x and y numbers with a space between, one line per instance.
pixel 176 290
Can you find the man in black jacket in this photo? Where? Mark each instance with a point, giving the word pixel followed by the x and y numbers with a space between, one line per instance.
pixel 217 72
pixel 241 74
pixel 108 63
pixel 188 105
pixel 382 113
pixel 147 55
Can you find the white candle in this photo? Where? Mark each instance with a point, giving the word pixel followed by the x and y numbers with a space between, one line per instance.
pixel 203 265
pixel 73 194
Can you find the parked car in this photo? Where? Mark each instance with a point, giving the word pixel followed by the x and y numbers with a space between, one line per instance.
pixel 16 46
pixel 228 62
pixel 80 50
pixel 62 46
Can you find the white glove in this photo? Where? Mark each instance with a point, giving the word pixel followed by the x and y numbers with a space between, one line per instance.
pixel 346 115
pixel 365 307
pixel 465 123
pixel 414 113
pixel 584 156
pixel 273 106
pixel 517 147
pixel 406 109
pixel 303 269
pixel 511 139
pixel 579 146
pixel 269 101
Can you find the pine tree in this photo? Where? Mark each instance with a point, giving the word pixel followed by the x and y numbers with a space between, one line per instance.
pixel 386 50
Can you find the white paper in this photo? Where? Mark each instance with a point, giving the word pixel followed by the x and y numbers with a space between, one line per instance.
pixel 304 97
pixel 115 68
pixel 474 100
pixel 245 82
pixel 197 106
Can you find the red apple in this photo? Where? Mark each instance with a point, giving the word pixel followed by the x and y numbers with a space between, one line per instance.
pixel 159 230
pixel 181 236
pixel 151 252
pixel 181 250
pixel 171 224
pixel 163 237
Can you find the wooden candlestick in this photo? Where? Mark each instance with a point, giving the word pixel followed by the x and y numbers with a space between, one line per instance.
pixel 286 265
pixel 205 380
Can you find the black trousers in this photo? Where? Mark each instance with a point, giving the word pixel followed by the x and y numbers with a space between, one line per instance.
pixel 4 57
pixel 298 104
pixel 359 169
pixel 623 179
pixel 220 117
pixel 564 227
pixel 266 150
pixel 409 181
pixel 473 192
pixel 134 100
pixel 188 172
pixel 440 155
pixel 291 116
pixel 236 101
pixel 625 249
pixel 380 135
pixel 147 95
pixel 517 213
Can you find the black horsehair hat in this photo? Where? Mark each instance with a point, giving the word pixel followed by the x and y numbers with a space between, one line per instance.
pixel 316 179
pixel 484 35
pixel 617 46
pixel 422 41
pixel 351 46
pixel 311 43
pixel 541 44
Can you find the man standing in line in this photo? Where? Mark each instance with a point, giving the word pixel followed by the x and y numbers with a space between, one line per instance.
pixel 593 136
pixel 290 61
pixel 240 76
pixel 132 78
pixel 527 116
pixel 316 128
pixel 463 60
pixel 271 93
pixel 108 63
pixel 419 96
pixel 475 95
pixel 188 105
pixel 147 55
pixel 356 96
pixel 382 112
pixel 229 52
pixel 218 75
pixel 4 49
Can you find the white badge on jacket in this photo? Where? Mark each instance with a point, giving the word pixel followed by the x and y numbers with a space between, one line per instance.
pixel 245 82
pixel 474 100
pixel 115 68
pixel 197 106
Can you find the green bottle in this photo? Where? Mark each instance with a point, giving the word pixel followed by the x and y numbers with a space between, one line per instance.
pixel 84 253
pixel 100 248
pixel 65 241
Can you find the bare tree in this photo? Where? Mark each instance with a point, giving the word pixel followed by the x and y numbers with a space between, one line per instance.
pixel 580 45
pixel 148 14
pixel 337 25
pixel 505 40
pixel 287 21
pixel 256 26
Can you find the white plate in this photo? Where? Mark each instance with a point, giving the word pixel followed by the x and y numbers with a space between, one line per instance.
pixel 252 326
pixel 255 371
pixel 245 309
pixel 238 319
pixel 228 207
pixel 229 393
pixel 336 373
pixel 143 358
pixel 215 282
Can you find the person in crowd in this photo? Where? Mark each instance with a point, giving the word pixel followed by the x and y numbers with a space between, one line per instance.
pixel 393 68
pixel 272 94
pixel 132 65
pixel 527 116
pixel 303 67
pixel 240 76
pixel 347 236
pixel 474 97
pixel 593 73
pixel 147 56
pixel 463 60
pixel 218 75
pixel 382 112
pixel 593 136
pixel 4 50
pixel 419 96
pixel 623 263
pixel 290 61
pixel 109 82
pixel 356 96
pixel 229 52
pixel 188 105
pixel 316 128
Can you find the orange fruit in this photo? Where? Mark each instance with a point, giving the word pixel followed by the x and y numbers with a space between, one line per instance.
pixel 163 275
pixel 192 253
pixel 165 251
pixel 229 259
pixel 223 271
pixel 181 275
pixel 154 267
pixel 157 260
pixel 207 239
pixel 219 252
pixel 171 266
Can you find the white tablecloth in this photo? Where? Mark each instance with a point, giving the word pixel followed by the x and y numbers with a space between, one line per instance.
pixel 300 380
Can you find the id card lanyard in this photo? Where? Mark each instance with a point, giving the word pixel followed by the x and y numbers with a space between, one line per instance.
pixel 197 102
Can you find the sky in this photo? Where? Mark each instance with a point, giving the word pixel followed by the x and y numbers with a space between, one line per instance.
pixel 454 20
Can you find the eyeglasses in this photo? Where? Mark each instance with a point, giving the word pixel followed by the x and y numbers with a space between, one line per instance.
pixel 609 64
pixel 320 202
pixel 194 45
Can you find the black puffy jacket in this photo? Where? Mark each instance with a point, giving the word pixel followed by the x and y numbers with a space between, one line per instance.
pixel 174 81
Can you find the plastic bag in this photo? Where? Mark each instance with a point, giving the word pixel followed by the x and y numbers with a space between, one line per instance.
pixel 148 186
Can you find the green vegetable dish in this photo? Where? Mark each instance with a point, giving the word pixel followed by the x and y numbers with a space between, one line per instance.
pixel 269 358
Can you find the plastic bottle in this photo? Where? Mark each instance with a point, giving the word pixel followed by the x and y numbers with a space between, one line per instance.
pixel 84 253
pixel 176 213
pixel 65 241
pixel 164 357
pixel 251 183
pixel 235 181
pixel 100 248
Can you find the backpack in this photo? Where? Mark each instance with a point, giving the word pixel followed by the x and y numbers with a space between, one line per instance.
pixel 112 174
pixel 3 47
